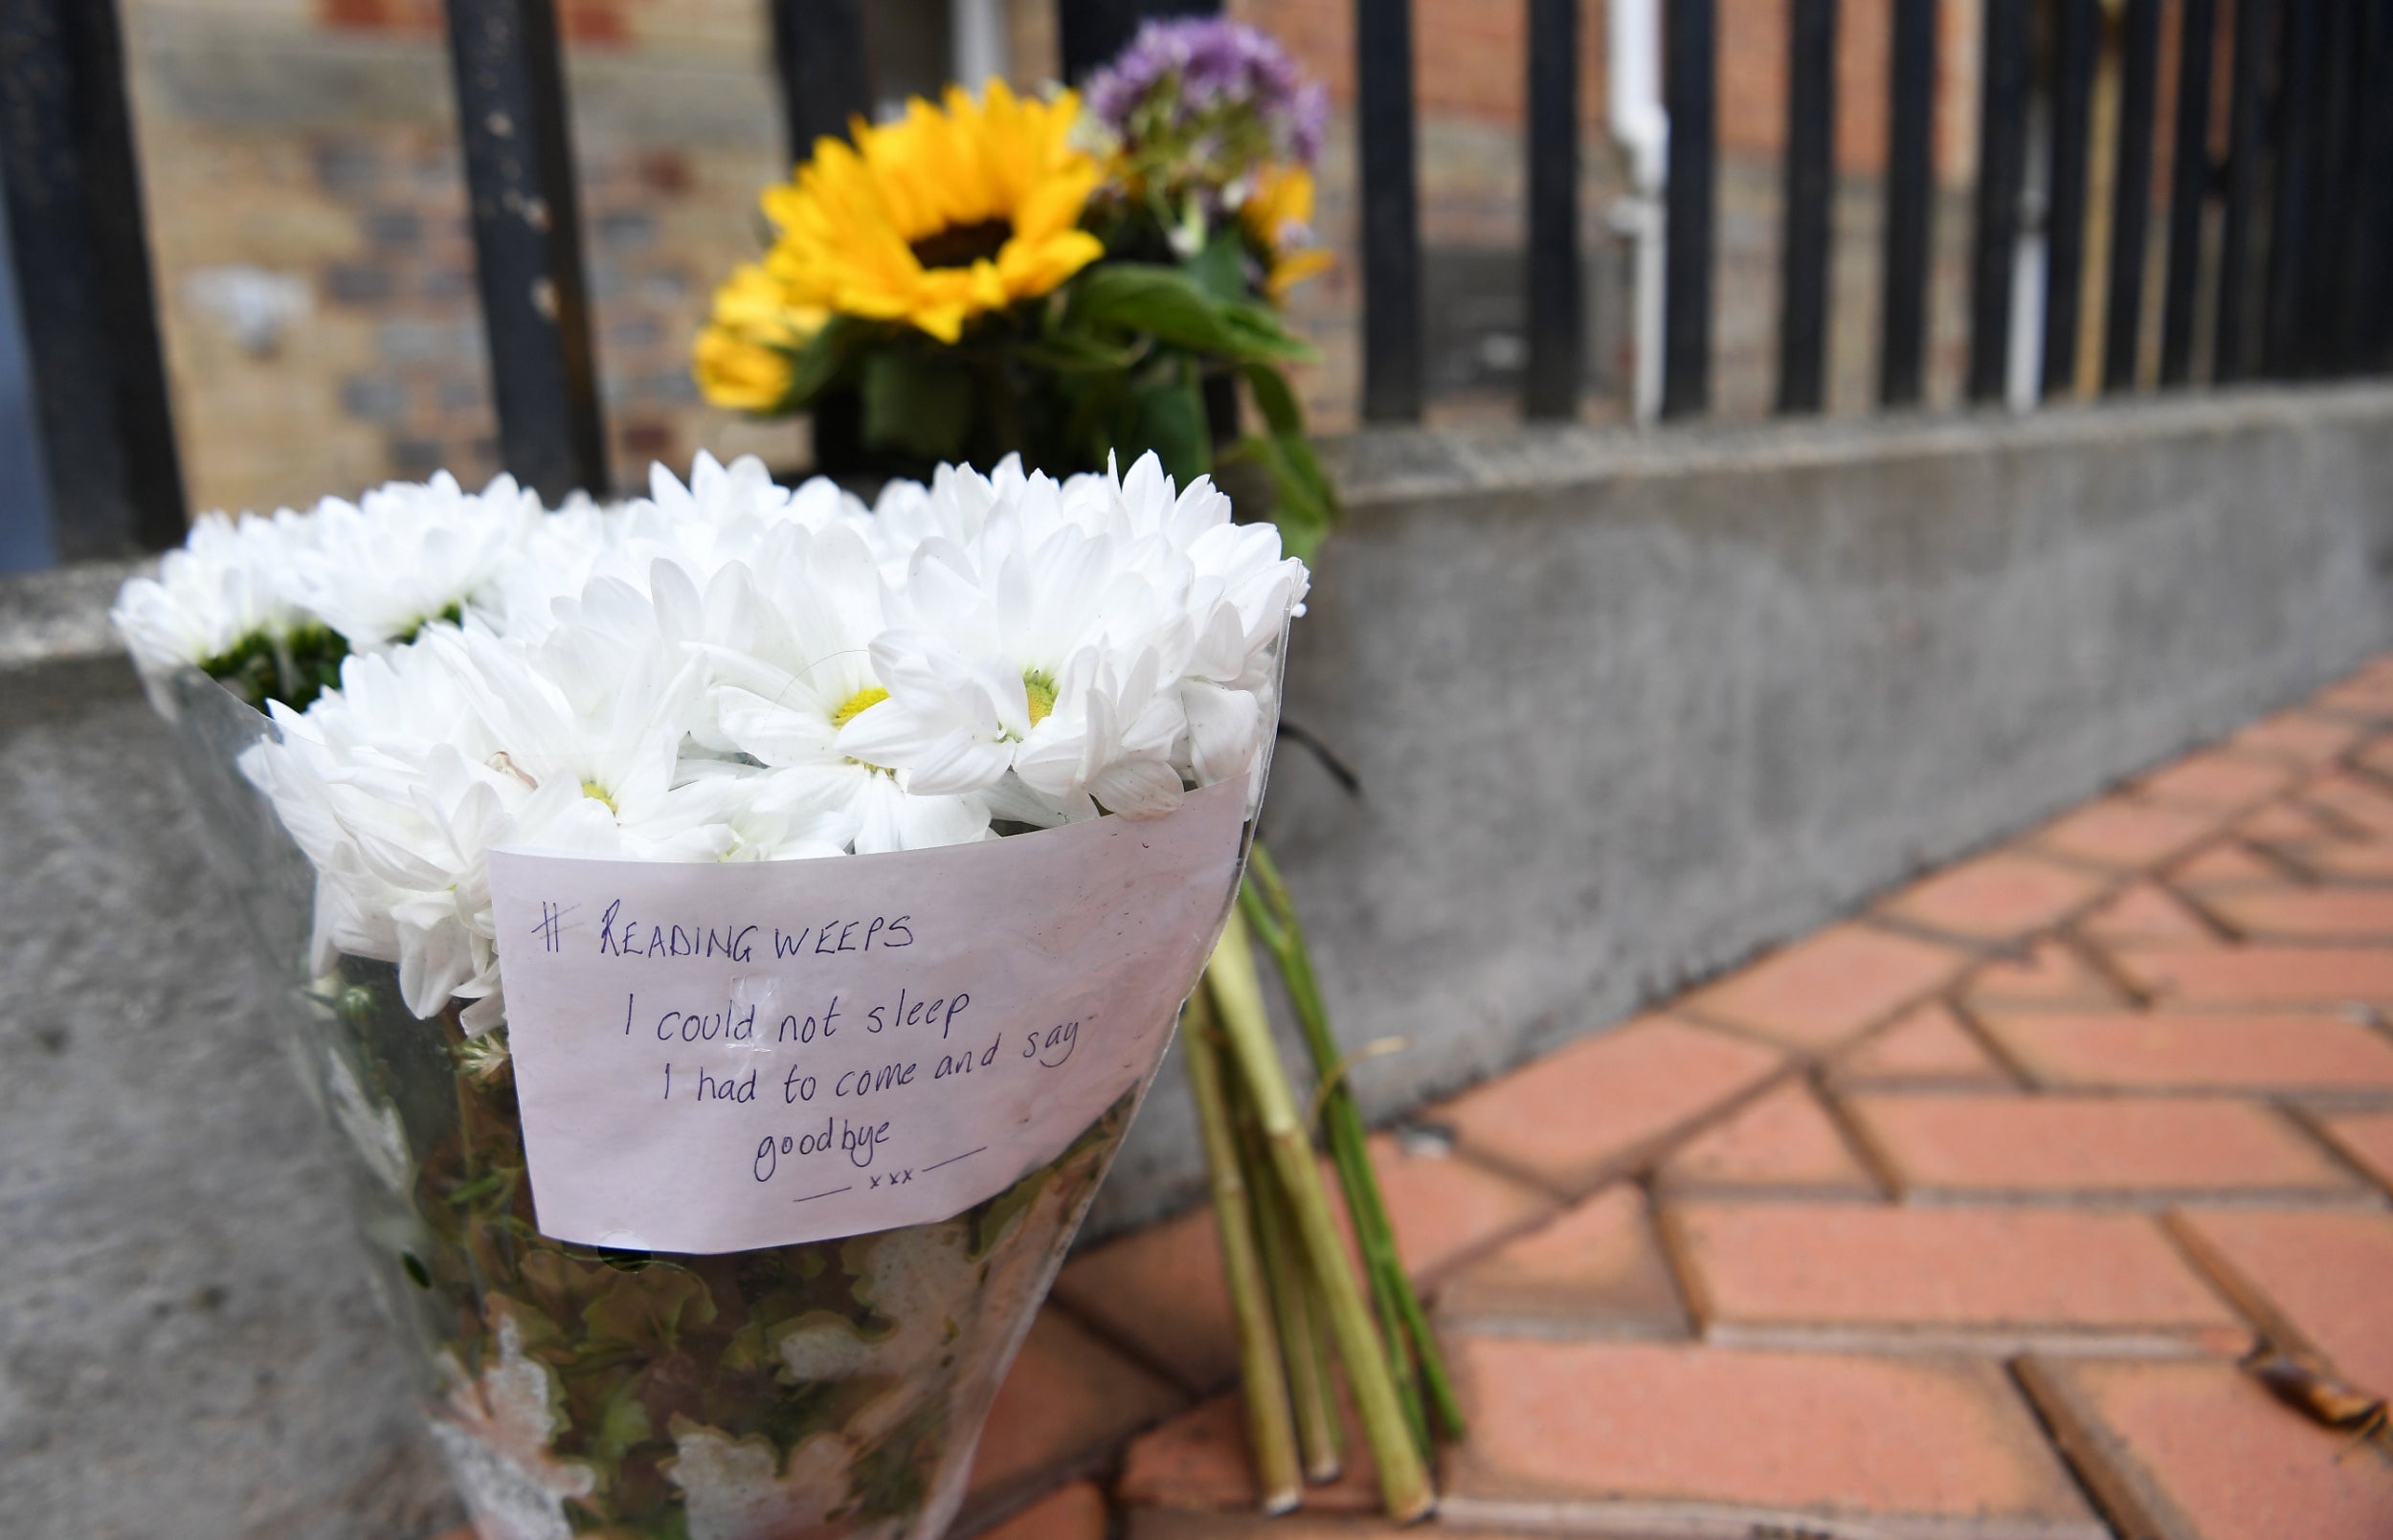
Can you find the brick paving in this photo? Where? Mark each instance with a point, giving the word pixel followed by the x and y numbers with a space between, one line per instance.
pixel 1951 1220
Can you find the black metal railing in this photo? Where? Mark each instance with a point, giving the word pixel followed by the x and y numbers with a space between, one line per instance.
pixel 90 318
pixel 2301 286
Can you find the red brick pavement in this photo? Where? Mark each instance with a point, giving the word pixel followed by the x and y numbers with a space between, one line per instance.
pixel 1950 1221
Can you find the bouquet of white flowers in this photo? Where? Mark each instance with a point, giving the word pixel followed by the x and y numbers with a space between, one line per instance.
pixel 717 1177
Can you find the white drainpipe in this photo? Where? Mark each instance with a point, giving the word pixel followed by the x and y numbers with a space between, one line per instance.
pixel 977 29
pixel 1642 127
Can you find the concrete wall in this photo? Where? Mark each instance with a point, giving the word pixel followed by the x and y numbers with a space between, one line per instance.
pixel 1627 709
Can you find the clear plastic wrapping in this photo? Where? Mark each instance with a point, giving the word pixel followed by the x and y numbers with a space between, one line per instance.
pixel 833 1389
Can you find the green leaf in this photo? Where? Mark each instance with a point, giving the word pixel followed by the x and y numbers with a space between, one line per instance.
pixel 1307 499
pixel 1274 399
pixel 1065 352
pixel 649 1310
pixel 622 1423
pixel 1171 422
pixel 1303 506
pixel 1264 337
pixel 917 402
pixel 1168 304
pixel 481 1187
pixel 825 361
pixel 1221 268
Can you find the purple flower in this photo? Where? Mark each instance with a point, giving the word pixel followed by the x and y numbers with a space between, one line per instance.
pixel 1177 74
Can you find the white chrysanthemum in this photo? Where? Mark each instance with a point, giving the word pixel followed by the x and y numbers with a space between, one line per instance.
pixel 396 794
pixel 557 558
pixel 723 517
pixel 380 568
pixel 982 638
pixel 1110 739
pixel 954 507
pixel 726 669
pixel 796 667
pixel 399 784
pixel 1076 648
pixel 1241 597
pixel 219 593
pixel 1237 608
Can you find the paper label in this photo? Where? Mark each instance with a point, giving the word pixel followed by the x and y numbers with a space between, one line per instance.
pixel 720 1057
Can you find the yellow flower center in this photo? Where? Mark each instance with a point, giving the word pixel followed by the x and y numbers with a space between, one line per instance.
pixel 863 700
pixel 599 793
pixel 1041 692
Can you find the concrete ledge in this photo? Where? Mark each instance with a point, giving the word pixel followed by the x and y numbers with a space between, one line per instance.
pixel 1385 471
pixel 62 615
pixel 1392 468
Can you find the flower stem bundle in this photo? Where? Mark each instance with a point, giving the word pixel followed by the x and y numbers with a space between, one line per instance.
pixel 1294 1293
pixel 1268 906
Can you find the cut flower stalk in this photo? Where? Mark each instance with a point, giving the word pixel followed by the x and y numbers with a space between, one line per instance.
pixel 1268 1423
pixel 1395 1451
pixel 1268 906
pixel 1312 1391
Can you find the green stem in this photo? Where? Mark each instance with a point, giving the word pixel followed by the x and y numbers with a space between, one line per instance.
pixel 1317 1432
pixel 1266 902
pixel 1270 1423
pixel 1238 993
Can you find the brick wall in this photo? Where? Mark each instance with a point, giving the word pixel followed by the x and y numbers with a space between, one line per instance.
pixel 317 280
pixel 314 265
pixel 1469 63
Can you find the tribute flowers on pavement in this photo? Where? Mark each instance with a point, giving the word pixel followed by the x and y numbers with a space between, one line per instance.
pixel 1057 279
pixel 461 690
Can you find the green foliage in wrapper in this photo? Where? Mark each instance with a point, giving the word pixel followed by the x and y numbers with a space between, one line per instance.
pixel 293 667
pixel 591 1372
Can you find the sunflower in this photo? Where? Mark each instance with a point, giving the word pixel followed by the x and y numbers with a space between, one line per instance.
pixel 746 356
pixel 946 214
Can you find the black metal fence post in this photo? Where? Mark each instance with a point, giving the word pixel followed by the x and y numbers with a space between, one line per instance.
pixel 1091 32
pixel 2300 105
pixel 2371 252
pixel 822 57
pixel 527 243
pixel 1690 86
pixel 1903 301
pixel 2077 46
pixel 2131 200
pixel 1556 331
pixel 2001 156
pixel 1393 362
pixel 2328 307
pixel 1810 195
pixel 2189 182
pixel 83 281
pixel 2236 347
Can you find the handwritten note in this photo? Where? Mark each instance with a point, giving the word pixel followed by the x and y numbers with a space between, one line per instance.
pixel 719 1057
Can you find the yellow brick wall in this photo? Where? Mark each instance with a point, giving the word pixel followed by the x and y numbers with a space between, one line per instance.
pixel 304 151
